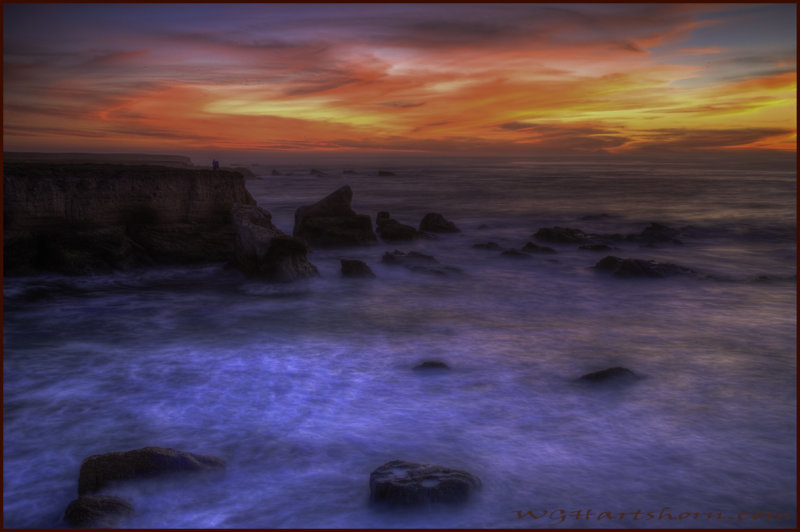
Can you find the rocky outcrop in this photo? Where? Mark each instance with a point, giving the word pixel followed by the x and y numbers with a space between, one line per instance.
pixel 264 251
pixel 331 222
pixel 390 230
pixel 657 233
pixel 627 268
pixel 100 470
pixel 401 483
pixel 356 269
pixel 436 223
pixel 86 218
pixel 97 512
pixel 616 374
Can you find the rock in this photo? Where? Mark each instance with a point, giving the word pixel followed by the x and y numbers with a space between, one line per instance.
pixel 561 235
pixel 530 247
pixel 93 218
pixel 99 470
pixel 316 172
pixel 262 250
pixel 615 374
pixel 436 223
pixel 412 257
pixel 515 254
pixel 401 483
pixel 97 512
pixel 640 268
pixel 419 262
pixel 332 222
pixel 431 365
pixel 657 233
pixel 275 172
pixel 356 268
pixel 349 172
pixel 489 245
pixel 385 173
pixel 391 230
pixel 595 247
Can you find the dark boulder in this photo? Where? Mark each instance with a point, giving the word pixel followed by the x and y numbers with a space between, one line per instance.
pixel 431 365
pixel 356 269
pixel 264 251
pixel 385 173
pixel 275 172
pixel 332 222
pixel 561 235
pixel 391 230
pixel 493 246
pixel 615 374
pixel 627 268
pixel 97 512
pixel 99 470
pixel 436 223
pixel 530 247
pixel 401 483
pixel 316 172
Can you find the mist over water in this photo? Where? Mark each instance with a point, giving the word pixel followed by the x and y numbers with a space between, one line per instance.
pixel 305 388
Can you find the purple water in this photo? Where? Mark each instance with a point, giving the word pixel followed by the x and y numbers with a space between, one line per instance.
pixel 305 388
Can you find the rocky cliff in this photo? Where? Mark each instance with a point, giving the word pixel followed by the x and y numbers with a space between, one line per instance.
pixel 85 218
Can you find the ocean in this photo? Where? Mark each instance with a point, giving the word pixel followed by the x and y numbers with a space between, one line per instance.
pixel 305 388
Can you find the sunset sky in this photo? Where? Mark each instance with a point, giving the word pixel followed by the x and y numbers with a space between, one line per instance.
pixel 476 79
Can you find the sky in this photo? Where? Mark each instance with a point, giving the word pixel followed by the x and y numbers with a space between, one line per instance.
pixel 517 80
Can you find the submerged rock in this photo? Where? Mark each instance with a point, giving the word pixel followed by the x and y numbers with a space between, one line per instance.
pixel 627 268
pixel 657 233
pixel 316 172
pixel 391 230
pixel 332 222
pixel 493 246
pixel 263 250
pixel 615 374
pixel 530 247
pixel 275 172
pixel 419 262
pixel 562 235
pixel 89 511
pixel 515 254
pixel 412 257
pixel 431 365
pixel 595 247
pixel 99 470
pixel 436 223
pixel 356 269
pixel 401 483
pixel 385 173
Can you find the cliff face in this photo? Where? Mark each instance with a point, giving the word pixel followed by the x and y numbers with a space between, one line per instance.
pixel 82 218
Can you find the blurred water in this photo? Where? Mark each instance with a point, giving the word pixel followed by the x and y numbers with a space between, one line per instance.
pixel 305 388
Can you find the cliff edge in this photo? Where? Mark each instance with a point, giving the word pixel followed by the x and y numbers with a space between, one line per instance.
pixel 92 218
